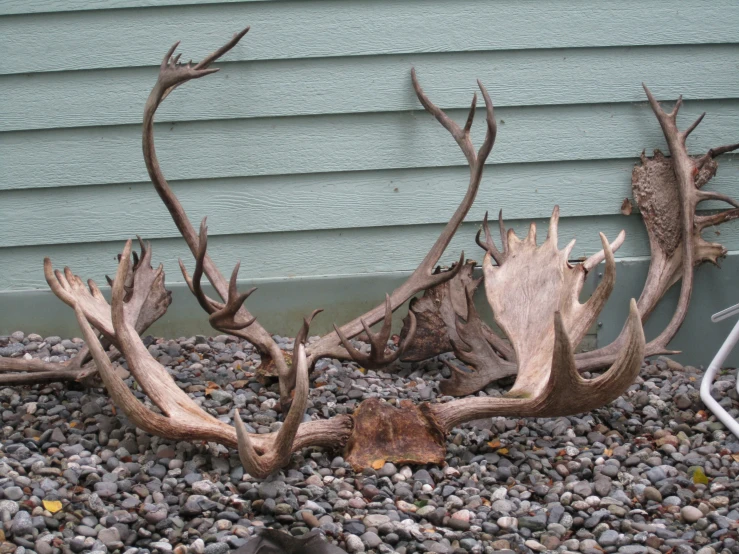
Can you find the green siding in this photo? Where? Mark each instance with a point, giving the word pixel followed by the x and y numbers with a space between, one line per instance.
pixel 330 28
pixel 370 84
pixel 309 152
pixel 331 143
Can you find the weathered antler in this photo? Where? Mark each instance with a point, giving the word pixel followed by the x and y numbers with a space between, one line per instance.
pixel 230 315
pixel 181 418
pixel 145 301
pixel 534 295
pixel 379 355
pixel 424 277
pixel 667 192
pixel 172 75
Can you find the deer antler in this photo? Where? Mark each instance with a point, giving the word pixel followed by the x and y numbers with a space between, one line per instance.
pixel 230 315
pixel 667 191
pixel 424 277
pixel 172 75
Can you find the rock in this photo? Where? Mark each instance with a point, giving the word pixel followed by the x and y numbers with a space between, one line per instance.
pixel 375 520
pixel 21 524
pixel 690 514
pixel 217 548
pixel 354 544
pixel 608 537
pixel 110 537
pixel 13 493
pixel 534 523
pixel 650 493
pixel 371 540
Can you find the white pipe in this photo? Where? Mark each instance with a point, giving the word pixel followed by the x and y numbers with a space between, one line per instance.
pixel 713 368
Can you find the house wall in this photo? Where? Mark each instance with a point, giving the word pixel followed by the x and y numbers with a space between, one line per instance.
pixel 309 152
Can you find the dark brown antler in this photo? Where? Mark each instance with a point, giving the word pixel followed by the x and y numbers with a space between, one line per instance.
pixel 424 277
pixel 172 75
pixel 379 355
pixel 668 191
pixel 230 315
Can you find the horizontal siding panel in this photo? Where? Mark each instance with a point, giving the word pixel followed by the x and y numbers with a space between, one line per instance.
pixel 372 84
pixel 284 30
pixel 216 149
pixel 15 7
pixel 314 253
pixel 322 201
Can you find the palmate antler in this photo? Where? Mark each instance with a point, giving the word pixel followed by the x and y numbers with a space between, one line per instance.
pixel 231 316
pixel 146 300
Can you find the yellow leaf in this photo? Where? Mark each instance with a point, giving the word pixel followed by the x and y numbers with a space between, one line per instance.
pixel 494 444
pixel 377 464
pixel 608 452
pixel 699 477
pixel 52 505
pixel 502 451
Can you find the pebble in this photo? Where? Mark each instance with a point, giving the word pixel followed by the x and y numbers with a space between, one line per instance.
pixel 620 479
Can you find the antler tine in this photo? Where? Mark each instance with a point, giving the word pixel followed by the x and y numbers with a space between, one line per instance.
pixel 599 256
pixel 208 304
pixel 225 318
pixel 278 455
pixel 597 301
pixel 489 244
pixel 377 356
pixel 714 153
pixel 553 231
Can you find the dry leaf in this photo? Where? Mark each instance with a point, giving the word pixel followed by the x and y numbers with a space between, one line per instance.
pixel 736 457
pixel 626 207
pixel 502 451
pixel 53 506
pixel 494 443
pixel 608 452
pixel 377 464
pixel 210 386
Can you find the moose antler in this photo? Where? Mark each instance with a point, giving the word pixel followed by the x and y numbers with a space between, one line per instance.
pixel 230 315
pixel 145 301
pixel 668 191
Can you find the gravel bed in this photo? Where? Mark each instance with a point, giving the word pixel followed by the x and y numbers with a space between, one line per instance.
pixel 650 473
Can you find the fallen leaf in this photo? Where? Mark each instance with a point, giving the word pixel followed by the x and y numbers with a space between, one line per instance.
pixel 502 451
pixel 377 464
pixel 736 457
pixel 494 444
pixel 699 477
pixel 53 506
pixel 210 387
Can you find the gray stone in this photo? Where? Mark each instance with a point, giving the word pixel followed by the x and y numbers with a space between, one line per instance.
pixel 13 493
pixel 22 524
